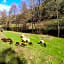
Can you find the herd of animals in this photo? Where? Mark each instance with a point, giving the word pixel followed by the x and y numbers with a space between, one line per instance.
pixel 24 40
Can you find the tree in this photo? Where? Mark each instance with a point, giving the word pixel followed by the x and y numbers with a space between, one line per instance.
pixel 51 9
pixel 39 11
pixel 58 17
pixel 24 14
pixel 24 6
pixel 4 17
pixel 62 7
pixel 14 10
pixel 32 7
pixel 9 19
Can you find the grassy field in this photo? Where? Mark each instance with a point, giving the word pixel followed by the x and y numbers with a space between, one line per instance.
pixel 53 53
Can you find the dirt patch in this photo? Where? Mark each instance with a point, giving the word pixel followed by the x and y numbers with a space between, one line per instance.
pixel 18 49
pixel 28 35
pixel 24 51
pixel 2 35
pixel 46 37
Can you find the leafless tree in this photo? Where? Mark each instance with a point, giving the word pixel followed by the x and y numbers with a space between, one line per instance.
pixel 4 17
pixel 9 19
pixel 24 13
pixel 14 10
pixel 32 7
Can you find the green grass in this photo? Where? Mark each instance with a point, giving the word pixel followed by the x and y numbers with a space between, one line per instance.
pixel 52 54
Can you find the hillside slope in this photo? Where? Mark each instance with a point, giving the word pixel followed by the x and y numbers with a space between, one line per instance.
pixel 53 53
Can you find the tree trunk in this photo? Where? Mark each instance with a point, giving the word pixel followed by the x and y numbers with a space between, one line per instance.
pixel 32 27
pixel 8 24
pixel 58 19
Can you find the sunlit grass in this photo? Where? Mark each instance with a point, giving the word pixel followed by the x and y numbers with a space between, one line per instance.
pixel 53 53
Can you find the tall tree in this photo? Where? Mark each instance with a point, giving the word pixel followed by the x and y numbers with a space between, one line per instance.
pixel 24 6
pixel 9 19
pixel 14 10
pixel 32 7
pixel 24 14
pixel 62 7
pixel 39 12
pixel 58 18
pixel 4 17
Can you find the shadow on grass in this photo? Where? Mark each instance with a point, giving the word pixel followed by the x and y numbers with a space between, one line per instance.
pixel 12 57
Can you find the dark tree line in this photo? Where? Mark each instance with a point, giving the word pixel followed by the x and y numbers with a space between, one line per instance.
pixel 37 11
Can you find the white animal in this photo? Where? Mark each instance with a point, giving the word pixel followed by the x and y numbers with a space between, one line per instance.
pixel 22 36
pixel 42 41
pixel 23 39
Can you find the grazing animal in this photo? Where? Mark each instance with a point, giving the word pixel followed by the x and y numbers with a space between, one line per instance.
pixel 17 43
pixel 4 39
pixel 10 42
pixel 27 40
pixel 22 36
pixel 42 42
pixel 23 39
pixel 23 44
pixel 30 43
pixel 9 39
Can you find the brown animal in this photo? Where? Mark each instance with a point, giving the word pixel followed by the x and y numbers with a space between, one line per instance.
pixel 17 43
pixel 23 41
pixel 7 40
pixel 23 44
pixel 4 39
pixel 30 43
pixel 10 41
pixel 27 40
